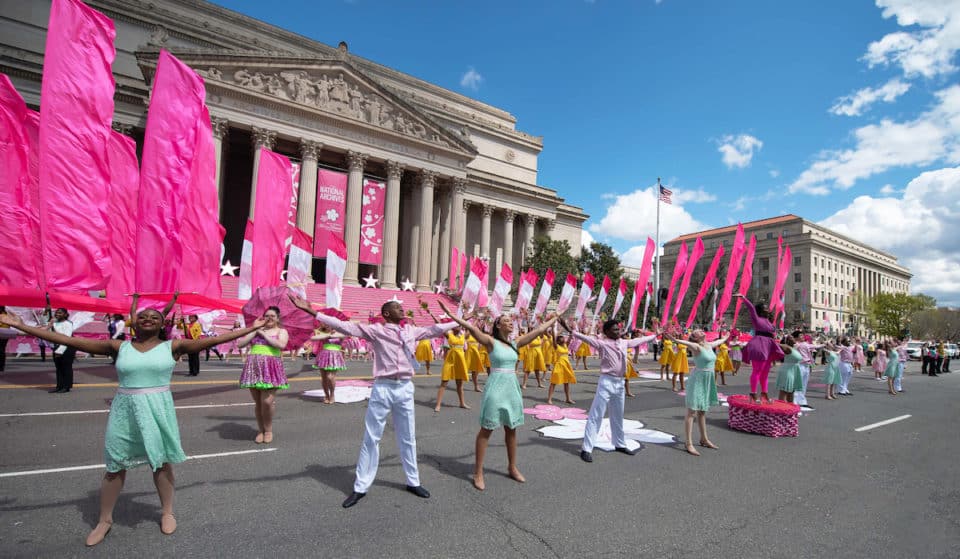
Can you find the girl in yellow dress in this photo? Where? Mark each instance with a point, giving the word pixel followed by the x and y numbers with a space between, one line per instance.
pixel 583 351
pixel 533 362
pixel 562 371
pixel 723 364
pixel 474 361
pixel 454 368
pixel 680 366
pixel 666 358
pixel 631 373
pixel 521 354
pixel 549 353
pixel 424 353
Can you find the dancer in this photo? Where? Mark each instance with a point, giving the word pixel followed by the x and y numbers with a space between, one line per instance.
pixel 724 365
pixel 846 366
pixel 393 348
pixel 859 356
pixel 582 352
pixel 761 351
pixel 736 354
pixel 330 362
pixel 613 356
pixel 424 353
pixel 879 362
pixel 562 372
pixel 631 373
pixel 831 374
pixel 454 367
pixel 142 425
pixel 680 365
pixel 893 366
pixel 807 349
pixel 474 361
pixel 63 354
pixel 902 357
pixel 666 357
pixel 533 361
pixel 193 331
pixel 702 388
pixel 263 372
pixel 789 375
pixel 502 403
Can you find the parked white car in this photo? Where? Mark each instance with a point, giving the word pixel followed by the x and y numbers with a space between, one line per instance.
pixel 953 351
pixel 914 349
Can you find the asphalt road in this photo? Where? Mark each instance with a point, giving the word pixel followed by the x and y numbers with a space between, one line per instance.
pixel 892 491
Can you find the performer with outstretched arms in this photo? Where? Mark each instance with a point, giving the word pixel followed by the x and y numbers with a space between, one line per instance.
pixel 701 388
pixel 762 350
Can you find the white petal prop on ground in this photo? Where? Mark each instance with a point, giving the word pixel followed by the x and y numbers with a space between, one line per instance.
pixel 549 412
pixel 633 430
pixel 347 392
pixel 649 374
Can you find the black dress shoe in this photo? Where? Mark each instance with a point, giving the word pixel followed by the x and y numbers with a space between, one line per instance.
pixel 625 450
pixel 353 499
pixel 586 456
pixel 54 391
pixel 419 491
pixel 63 390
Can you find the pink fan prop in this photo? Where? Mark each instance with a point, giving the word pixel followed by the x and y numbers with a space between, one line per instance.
pixel 298 324
pixel 554 413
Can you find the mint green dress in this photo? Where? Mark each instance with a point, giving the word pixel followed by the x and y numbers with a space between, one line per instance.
pixel 831 375
pixel 702 384
pixel 892 369
pixel 789 377
pixel 142 427
pixel 502 404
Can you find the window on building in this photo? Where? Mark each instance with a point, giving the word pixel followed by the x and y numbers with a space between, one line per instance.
pixel 816 314
pixel 713 244
pixel 797 277
pixel 769 235
pixel 765 280
pixel 829 266
pixel 841 300
pixel 796 260
pixel 814 261
pixel 814 295
pixel 765 264
pixel 796 295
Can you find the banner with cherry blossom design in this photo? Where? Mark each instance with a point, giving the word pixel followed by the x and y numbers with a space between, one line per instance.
pixel 331 209
pixel 371 227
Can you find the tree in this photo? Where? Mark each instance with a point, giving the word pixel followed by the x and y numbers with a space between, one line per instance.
pixel 889 313
pixel 555 255
pixel 600 260
pixel 936 324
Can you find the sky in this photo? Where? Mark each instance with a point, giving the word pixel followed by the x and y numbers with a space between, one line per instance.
pixel 846 113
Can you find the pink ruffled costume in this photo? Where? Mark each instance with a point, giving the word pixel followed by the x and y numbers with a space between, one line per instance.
pixel 762 350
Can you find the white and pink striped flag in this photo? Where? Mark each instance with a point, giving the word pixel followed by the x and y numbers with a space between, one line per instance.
pixel 544 296
pixel 566 294
pixel 638 289
pixel 621 293
pixel 525 291
pixel 299 262
pixel 245 276
pixel 602 297
pixel 471 288
pixel 454 262
pixel 336 267
pixel 501 290
pixel 483 296
pixel 586 290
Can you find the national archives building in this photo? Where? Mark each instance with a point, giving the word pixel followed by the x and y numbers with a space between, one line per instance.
pixel 455 172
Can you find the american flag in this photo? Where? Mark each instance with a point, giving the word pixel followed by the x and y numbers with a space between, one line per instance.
pixel 665 194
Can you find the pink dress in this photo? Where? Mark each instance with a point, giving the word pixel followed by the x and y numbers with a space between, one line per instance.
pixel 879 362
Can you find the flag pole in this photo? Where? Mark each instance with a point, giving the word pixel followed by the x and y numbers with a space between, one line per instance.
pixel 656 253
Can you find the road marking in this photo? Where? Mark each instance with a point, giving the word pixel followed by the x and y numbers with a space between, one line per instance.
pixel 100 466
pixel 882 423
pixel 107 410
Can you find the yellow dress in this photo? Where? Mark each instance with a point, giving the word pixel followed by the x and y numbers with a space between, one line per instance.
pixel 562 371
pixel 424 352
pixel 533 360
pixel 631 372
pixel 584 350
pixel 666 353
pixel 455 364
pixel 485 357
pixel 549 353
pixel 522 354
pixel 474 359
pixel 680 363
pixel 723 365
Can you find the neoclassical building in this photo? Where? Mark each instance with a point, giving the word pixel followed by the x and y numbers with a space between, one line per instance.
pixel 457 171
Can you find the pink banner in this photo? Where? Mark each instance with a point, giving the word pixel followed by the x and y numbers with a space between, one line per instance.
pixel 746 278
pixel 678 269
pixel 783 270
pixel 775 294
pixel 586 290
pixel 647 265
pixel 454 261
pixel 463 269
pixel 733 269
pixel 707 283
pixel 543 297
pixel 471 289
pixel 525 291
pixel 638 290
pixel 501 290
pixel 371 229
pixel 75 117
pixel 602 297
pixel 169 145
pixel 483 297
pixel 621 293
pixel 687 274
pixel 299 262
pixel 566 294
pixel 292 209
pixel 270 218
pixel 123 206
pixel 331 209
pixel 336 266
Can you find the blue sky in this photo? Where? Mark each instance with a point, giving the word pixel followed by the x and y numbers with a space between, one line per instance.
pixel 844 112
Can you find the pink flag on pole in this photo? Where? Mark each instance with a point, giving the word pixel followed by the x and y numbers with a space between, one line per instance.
pixel 746 277
pixel 566 294
pixel 602 297
pixel 299 262
pixel 501 290
pixel 543 297
pixel 733 269
pixel 621 293
pixel 586 290
pixel 525 291
pixel 678 269
pixel 783 270
pixel 707 283
pixel 454 260
pixel 270 218
pixel 371 228
pixel 123 206
pixel 687 274
pixel 331 209
pixel 646 265
pixel 646 304
pixel 292 209
pixel 336 268
pixel 775 294
pixel 75 117
pixel 471 289
pixel 638 289
pixel 483 297
pixel 245 277
pixel 169 144
pixel 463 269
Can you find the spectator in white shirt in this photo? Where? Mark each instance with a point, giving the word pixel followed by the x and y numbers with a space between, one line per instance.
pixel 62 355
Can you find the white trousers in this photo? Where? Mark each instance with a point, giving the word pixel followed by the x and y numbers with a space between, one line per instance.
pixel 609 391
pixel 800 396
pixel 846 372
pixel 388 396
pixel 897 384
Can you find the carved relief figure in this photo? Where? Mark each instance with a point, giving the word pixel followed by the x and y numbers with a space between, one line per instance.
pixel 355 99
pixel 299 86
pixel 338 92
pixel 323 91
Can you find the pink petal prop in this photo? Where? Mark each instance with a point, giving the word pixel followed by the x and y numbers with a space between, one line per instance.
pixel 363 383
pixel 549 416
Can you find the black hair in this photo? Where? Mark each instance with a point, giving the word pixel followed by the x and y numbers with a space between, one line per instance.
pixel 383 307
pixel 273 308
pixel 761 308
pixel 495 332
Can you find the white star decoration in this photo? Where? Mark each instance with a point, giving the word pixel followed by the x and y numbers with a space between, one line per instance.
pixel 370 281
pixel 438 288
pixel 394 299
pixel 406 285
pixel 228 269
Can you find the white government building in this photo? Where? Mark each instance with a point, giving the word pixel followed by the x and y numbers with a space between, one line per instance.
pixel 458 173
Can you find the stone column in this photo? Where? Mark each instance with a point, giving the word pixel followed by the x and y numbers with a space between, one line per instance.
pixel 531 222
pixel 412 234
pixel 486 211
pixel 307 197
pixel 351 231
pixel 508 216
pixel 391 225
pixel 262 138
pixel 220 129
pixel 458 213
pixel 435 235
pixel 427 181
pixel 446 234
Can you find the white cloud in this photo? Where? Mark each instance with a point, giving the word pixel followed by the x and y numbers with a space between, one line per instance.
pixel 926 50
pixel 738 150
pixel 919 228
pixel 698 196
pixel 471 79
pixel 931 137
pixel 856 103
pixel 888 190
pixel 774 173
pixel 633 217
pixel 586 239
pixel 633 257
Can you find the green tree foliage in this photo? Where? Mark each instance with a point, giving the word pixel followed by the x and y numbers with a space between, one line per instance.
pixel 889 313
pixel 555 255
pixel 600 260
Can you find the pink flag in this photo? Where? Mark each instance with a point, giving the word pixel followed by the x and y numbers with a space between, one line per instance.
pixel 300 262
pixel 733 269
pixel 483 297
pixel 169 144
pixel 292 208
pixel 646 304
pixel 501 290
pixel 270 218
pixel 687 274
pixel 647 264
pixel 707 283
pixel 566 294
pixel 471 289
pixel 586 290
pixel 747 276
pixel 123 206
pixel 19 226
pixel 463 268
pixel 454 260
pixel 783 270
pixel 201 234
pixel 544 296
pixel 525 291
pixel 602 297
pixel 621 293
pixel 371 228
pixel 678 269
pixel 245 278
pixel 638 289
pixel 775 294
pixel 336 267
pixel 75 116
pixel 331 209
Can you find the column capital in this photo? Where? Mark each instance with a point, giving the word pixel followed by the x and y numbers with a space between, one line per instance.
pixel 122 128
pixel 530 220
pixel 220 127
pixel 550 223
pixel 310 149
pixel 459 185
pixel 467 204
pixel 356 160
pixel 486 210
pixel 263 138
pixel 394 170
pixel 428 178
pixel 509 215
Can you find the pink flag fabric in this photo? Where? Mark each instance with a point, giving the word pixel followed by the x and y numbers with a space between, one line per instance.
pixel 331 209
pixel 783 270
pixel 586 290
pixel 75 116
pixel 638 289
pixel 646 305
pixel 525 291
pixel 733 270
pixel 687 274
pixel 602 297
pixel 543 297
pixel 245 277
pixel 169 147
pixel 501 290
pixel 454 261
pixel 270 218
pixel 566 294
pixel 775 294
pixel 483 296
pixel 471 288
pixel 678 269
pixel 706 285
pixel 647 265
pixel 371 228
pixel 123 205
pixel 621 293
pixel 747 275
pixel 299 262
pixel 336 267
pixel 463 269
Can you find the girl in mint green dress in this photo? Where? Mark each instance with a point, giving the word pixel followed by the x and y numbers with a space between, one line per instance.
pixel 789 376
pixel 831 374
pixel 701 386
